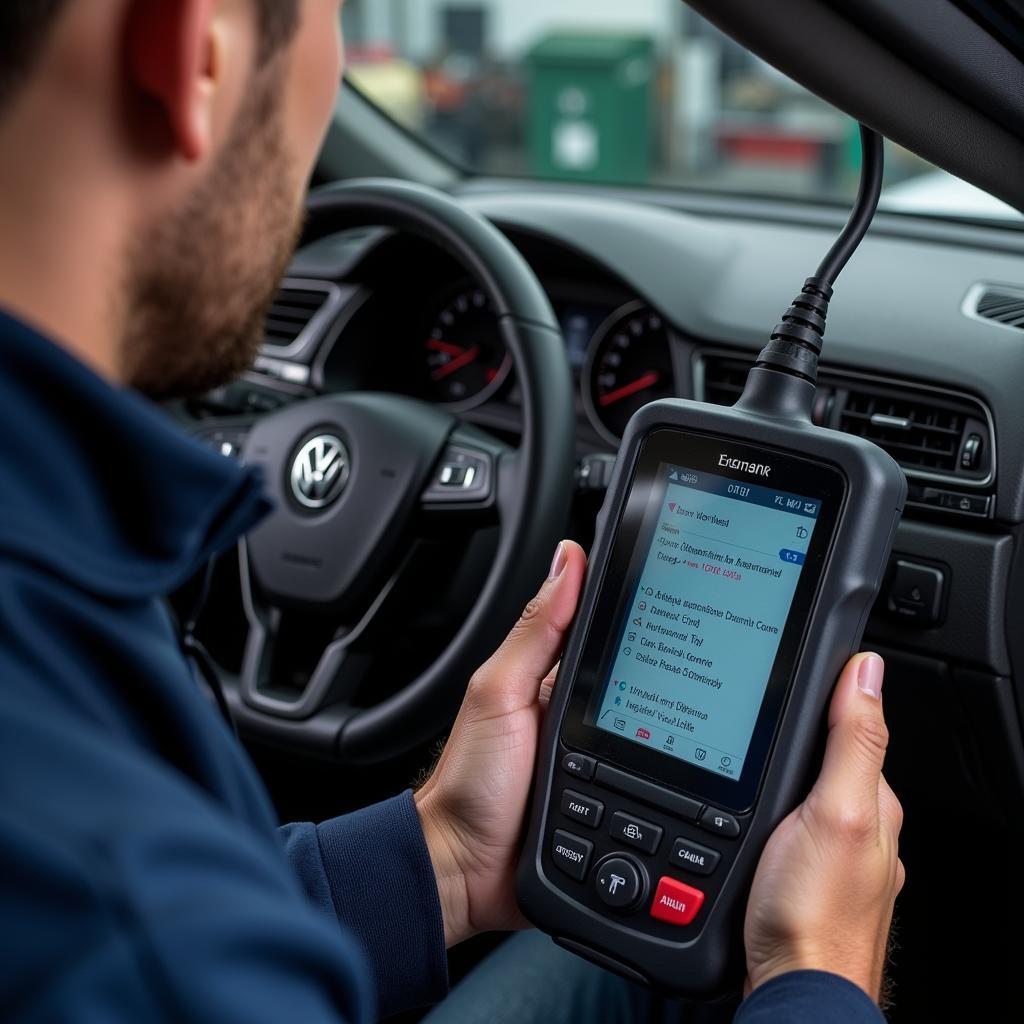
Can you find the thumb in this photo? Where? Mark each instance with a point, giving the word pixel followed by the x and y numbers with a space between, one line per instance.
pixel 857 741
pixel 511 678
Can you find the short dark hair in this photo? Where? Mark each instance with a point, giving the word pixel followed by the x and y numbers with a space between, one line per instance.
pixel 25 26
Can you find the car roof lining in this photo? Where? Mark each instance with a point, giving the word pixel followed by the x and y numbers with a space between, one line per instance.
pixel 1003 19
pixel 950 47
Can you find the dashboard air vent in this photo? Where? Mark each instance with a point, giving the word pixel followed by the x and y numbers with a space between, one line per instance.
pixel 932 433
pixel 292 311
pixel 1003 307
pixel 918 432
pixel 1000 305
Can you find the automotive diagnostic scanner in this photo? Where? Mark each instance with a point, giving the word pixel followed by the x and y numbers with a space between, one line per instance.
pixel 737 556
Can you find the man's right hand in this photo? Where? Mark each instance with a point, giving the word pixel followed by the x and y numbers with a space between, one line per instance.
pixel 824 891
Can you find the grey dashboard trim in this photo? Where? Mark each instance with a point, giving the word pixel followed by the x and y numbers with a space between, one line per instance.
pixel 335 297
pixel 282 369
pixel 989 233
pixel 958 483
pixel 273 382
pixel 357 298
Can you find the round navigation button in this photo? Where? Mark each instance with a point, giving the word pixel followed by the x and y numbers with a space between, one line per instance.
pixel 620 882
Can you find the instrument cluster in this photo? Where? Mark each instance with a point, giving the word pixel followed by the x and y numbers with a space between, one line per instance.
pixel 621 356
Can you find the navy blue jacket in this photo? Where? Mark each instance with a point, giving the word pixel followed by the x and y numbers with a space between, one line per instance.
pixel 142 876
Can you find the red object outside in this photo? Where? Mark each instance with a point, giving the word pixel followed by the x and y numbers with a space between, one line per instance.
pixel 770 147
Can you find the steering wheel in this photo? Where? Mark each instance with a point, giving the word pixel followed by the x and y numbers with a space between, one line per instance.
pixel 356 478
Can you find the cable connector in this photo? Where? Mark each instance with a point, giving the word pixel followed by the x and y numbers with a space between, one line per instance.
pixel 795 344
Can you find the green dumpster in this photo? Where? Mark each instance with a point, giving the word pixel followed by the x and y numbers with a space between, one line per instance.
pixel 591 107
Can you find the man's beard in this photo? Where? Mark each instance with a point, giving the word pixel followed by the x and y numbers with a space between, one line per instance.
pixel 200 283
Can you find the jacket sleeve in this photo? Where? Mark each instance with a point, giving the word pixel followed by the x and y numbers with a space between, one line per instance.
pixel 372 872
pixel 134 897
pixel 802 996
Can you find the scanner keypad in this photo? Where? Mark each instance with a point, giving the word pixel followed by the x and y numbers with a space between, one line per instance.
pixel 668 843
pixel 633 831
pixel 571 854
pixel 620 882
pixel 720 823
pixel 582 808
pixel 692 857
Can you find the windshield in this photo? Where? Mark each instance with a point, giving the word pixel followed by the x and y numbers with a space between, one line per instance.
pixel 622 92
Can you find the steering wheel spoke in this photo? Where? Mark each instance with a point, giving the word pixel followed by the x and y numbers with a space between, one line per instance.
pixel 340 668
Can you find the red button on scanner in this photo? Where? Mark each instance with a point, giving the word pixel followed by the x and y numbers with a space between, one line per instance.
pixel 676 903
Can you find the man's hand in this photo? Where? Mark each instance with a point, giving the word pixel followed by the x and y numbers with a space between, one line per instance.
pixel 824 891
pixel 473 805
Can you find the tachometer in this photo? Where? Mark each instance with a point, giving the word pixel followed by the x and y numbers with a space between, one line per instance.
pixel 628 365
pixel 464 357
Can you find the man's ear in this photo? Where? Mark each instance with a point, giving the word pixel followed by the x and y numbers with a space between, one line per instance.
pixel 172 58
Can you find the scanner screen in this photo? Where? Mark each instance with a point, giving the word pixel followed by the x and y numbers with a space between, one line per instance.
pixel 699 637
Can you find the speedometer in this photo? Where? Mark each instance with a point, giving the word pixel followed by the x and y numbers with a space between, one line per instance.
pixel 464 359
pixel 628 365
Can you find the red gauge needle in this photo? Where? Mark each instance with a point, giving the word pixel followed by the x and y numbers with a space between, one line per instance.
pixel 436 345
pixel 456 364
pixel 648 380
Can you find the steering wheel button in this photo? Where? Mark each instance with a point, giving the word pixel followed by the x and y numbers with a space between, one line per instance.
pixel 463 475
pixel 676 903
pixel 571 854
pixel 619 882
pixel 635 832
pixel 690 856
pixel 583 809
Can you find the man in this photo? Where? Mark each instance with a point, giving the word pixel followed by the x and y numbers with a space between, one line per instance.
pixel 153 160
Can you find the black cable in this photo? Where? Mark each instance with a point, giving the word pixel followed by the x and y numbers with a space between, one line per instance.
pixel 796 342
pixel 872 167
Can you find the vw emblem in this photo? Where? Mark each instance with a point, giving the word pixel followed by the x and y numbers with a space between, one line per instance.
pixel 320 471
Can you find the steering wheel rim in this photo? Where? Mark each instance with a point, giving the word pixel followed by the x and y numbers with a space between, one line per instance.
pixel 533 488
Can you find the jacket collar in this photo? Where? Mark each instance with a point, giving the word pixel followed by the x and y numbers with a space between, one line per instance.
pixel 98 486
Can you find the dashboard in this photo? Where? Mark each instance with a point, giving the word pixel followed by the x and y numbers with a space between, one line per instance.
pixel 655 301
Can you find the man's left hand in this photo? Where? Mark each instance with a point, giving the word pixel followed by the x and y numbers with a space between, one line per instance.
pixel 473 805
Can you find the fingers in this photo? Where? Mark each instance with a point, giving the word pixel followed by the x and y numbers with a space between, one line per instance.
pixel 512 677
pixel 850 780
